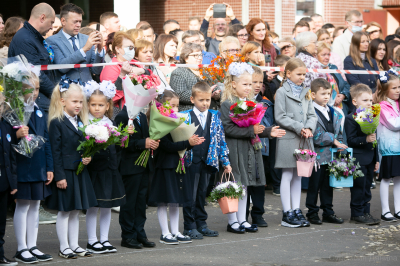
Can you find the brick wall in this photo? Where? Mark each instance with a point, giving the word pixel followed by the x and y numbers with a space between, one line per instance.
pixel 334 11
pixel 391 3
pixel 288 17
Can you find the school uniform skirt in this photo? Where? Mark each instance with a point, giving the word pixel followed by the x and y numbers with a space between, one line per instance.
pixel 79 194
pixel 390 167
pixel 33 190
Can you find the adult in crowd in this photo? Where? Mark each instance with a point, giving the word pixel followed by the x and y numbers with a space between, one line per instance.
pixel 110 54
pixel 29 42
pixel 338 31
pixel 170 25
pixel 392 37
pixel 194 23
pixel 229 46
pixel 378 50
pixel 148 33
pixel 202 41
pixel 72 47
pixel 183 78
pixel 141 23
pixel 178 34
pixel 335 59
pixel 318 21
pixel 374 30
pixel 330 28
pixel 392 47
pixel 56 26
pixel 306 46
pixel 273 37
pixel 165 49
pixel 288 46
pixel 220 28
pixel 110 21
pixel 1 23
pixel 354 21
pixel 12 25
pixel 193 36
pixel 103 31
pixel 310 23
pixel 136 34
pixel 299 27
pixel 86 31
pixel 359 59
pixel 239 31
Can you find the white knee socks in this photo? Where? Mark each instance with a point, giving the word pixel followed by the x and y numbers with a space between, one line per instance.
pixel 174 219
pixel 73 230
pixel 91 225
pixel 163 219
pixel 20 227
pixel 68 228
pixel 105 220
pixel 295 190
pixel 62 231
pixel 290 189
pixel 384 193
pixel 241 213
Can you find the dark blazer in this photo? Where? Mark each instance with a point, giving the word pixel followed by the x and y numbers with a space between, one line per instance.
pixel 363 151
pixel 35 169
pixel 104 159
pixel 10 158
pixel 137 144
pixel 29 42
pixel 167 156
pixel 64 140
pixel 367 79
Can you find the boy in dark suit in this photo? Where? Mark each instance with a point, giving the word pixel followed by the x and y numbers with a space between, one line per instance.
pixel 365 154
pixel 275 84
pixel 205 160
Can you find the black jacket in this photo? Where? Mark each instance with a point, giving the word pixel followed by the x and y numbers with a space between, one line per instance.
pixel 10 160
pixel 167 154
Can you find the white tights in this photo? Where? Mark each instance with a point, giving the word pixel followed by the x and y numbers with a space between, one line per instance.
pixel 290 189
pixel 68 229
pixel 384 192
pixel 173 218
pixel 91 224
pixel 240 215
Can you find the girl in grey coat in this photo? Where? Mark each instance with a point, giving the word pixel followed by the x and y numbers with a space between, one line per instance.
pixel 295 113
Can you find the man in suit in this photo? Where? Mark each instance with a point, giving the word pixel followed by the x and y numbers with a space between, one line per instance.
pixel 72 47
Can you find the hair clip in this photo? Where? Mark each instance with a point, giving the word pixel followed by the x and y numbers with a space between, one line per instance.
pixel 106 87
pixel 65 81
pixel 385 76
pixel 237 69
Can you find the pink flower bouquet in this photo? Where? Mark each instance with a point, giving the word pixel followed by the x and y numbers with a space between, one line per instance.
pixel 305 161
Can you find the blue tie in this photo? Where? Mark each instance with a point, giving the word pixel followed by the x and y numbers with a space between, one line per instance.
pixel 202 120
pixel 73 44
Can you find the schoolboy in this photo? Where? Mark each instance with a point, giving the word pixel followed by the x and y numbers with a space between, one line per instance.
pixel 275 83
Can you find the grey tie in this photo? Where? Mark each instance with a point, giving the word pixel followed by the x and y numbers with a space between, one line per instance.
pixel 202 120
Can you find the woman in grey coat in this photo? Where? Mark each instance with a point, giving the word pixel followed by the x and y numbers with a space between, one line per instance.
pixel 295 113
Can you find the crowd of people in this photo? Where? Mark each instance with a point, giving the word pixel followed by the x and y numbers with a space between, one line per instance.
pixel 314 106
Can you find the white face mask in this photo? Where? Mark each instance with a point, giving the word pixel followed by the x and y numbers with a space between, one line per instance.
pixel 322 65
pixel 354 29
pixel 129 54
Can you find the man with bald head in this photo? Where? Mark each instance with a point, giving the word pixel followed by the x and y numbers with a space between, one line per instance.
pixel 220 28
pixel 29 41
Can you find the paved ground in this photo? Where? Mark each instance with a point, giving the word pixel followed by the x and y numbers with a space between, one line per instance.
pixel 346 244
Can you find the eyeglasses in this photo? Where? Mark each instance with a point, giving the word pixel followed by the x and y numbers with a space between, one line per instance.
pixel 220 24
pixel 232 51
pixel 287 46
pixel 196 56
pixel 372 32
pixel 130 47
pixel 356 22
pixel 243 36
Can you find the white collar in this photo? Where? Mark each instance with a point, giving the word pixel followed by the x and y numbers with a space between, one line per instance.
pixel 323 110
pixel 242 99
pixel 279 77
pixel 103 121
pixel 71 117
pixel 197 112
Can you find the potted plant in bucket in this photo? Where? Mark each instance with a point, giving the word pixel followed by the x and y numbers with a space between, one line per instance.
pixel 227 194
pixel 343 169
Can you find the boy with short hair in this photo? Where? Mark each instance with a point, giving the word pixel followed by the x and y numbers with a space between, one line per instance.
pixel 365 154
pixel 327 135
pixel 205 160
pixel 275 83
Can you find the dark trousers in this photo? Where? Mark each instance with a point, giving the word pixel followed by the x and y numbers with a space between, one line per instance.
pixel 194 213
pixel 257 195
pixel 3 217
pixel 273 175
pixel 361 191
pixel 132 216
pixel 319 182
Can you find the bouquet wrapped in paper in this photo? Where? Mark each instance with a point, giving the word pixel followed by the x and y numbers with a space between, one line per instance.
pixel 162 121
pixel 182 133
pixel 248 113
pixel 368 119
pixel 18 79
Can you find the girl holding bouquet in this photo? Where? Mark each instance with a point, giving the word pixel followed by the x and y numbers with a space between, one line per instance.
pixel 70 192
pixel 389 142
pixel 246 160
pixel 103 169
pixel 294 111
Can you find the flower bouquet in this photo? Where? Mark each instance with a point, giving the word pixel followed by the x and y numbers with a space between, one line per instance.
pixel 343 169
pixel 162 121
pixel 305 160
pixel 368 119
pixel 227 194
pixel 218 69
pixel 99 137
pixel 248 113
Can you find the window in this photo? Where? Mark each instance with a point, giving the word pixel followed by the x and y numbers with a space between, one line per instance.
pixel 305 8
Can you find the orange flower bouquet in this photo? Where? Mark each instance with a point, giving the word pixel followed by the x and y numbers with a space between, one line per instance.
pixel 218 69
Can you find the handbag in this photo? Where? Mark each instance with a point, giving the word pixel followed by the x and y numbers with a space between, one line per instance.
pixel 228 205
pixel 305 163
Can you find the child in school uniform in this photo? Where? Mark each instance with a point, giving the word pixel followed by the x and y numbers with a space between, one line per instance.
pixel 205 161
pixel 246 161
pixel 70 192
pixel 295 113
pixel 275 84
pixel 167 185
pixel 328 134
pixel 103 170
pixel 365 154
pixel 132 216
pixel 34 177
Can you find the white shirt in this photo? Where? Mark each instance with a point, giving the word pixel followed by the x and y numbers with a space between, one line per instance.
pixel 72 119
pixel 197 113
pixel 77 44
pixel 279 78
pixel 323 110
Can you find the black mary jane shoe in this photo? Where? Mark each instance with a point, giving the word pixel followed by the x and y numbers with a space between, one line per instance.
pixel 83 253
pixel 7 262
pixel 111 248
pixel 314 219
pixel 252 229
pixel 397 215
pixel 146 243
pixel 388 219
pixel 94 249
pixel 44 257
pixel 68 255
pixel 18 257
pixel 239 230
pixel 333 219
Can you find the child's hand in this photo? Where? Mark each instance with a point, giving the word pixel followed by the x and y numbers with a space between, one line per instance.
pixel 22 132
pixel 62 184
pixel 196 140
pixel 13 191
pixel 376 167
pixel 261 60
pixel 50 176
pixel 86 161
pixel 152 144
pixel 228 169
pixel 131 130
pixel 340 145
pixel 371 138
pixel 277 133
pixel 306 132
pixel 258 129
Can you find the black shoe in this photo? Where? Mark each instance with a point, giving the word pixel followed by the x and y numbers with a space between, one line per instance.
pixel 369 216
pixel 239 230
pixel 44 257
pixel 252 229
pixel 301 217
pixel 5 261
pixel 146 243
pixel 83 253
pixel 361 220
pixel 111 248
pixel 131 243
pixel 397 215
pixel 67 255
pixel 18 257
pixel 333 219
pixel 183 239
pixel 314 219
pixel 276 192
pixel 95 250
pixel 260 222
pixel 289 219
pixel 169 241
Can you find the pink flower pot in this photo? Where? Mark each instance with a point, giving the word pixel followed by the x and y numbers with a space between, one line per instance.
pixel 304 169
pixel 228 205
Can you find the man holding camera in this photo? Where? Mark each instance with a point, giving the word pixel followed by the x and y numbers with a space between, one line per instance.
pixel 220 27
